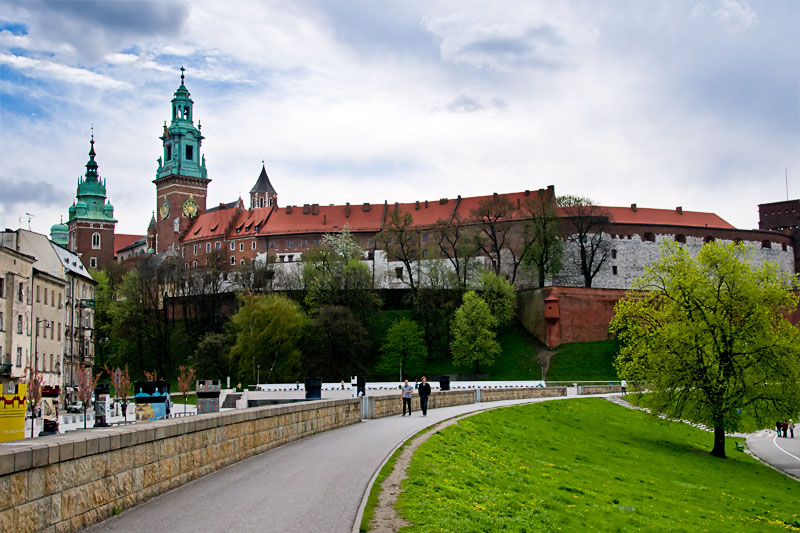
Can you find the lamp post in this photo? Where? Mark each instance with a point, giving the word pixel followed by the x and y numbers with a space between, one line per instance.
pixel 542 364
pixel 258 379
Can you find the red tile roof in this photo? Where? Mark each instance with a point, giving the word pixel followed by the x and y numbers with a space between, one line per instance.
pixel 210 225
pixel 123 240
pixel 329 219
pixel 666 217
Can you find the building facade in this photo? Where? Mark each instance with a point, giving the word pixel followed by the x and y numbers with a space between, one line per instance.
pixel 16 275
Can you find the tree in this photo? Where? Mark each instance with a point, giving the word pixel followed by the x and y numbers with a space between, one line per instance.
pixel 404 348
pixel 708 336
pixel 185 380
pixel 586 224
pixel 268 331
pixel 494 214
pixel 544 248
pixel 35 381
pixel 121 379
pixel 457 243
pixel 212 356
pixel 337 344
pixel 86 385
pixel 499 295
pixel 473 337
pixel 400 241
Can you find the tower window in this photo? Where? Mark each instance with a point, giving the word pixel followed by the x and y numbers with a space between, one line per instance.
pixel 271 201
pixel 189 152
pixel 169 152
pixel 261 202
pixel 95 241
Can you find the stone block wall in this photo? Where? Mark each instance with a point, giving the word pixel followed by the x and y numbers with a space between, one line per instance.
pixel 67 482
pixel 381 406
pixel 496 395
pixel 599 389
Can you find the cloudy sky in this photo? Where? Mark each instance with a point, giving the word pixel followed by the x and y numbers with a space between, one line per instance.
pixel 690 103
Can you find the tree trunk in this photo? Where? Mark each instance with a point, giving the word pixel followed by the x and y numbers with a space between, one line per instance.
pixel 719 442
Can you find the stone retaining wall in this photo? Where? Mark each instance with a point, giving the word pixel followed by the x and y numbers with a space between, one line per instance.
pixel 66 482
pixel 381 406
pixel 496 395
pixel 599 389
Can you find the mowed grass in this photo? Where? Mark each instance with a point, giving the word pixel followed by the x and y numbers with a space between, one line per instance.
pixel 588 465
pixel 584 361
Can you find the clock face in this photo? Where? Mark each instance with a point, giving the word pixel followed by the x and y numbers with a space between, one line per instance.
pixel 164 210
pixel 190 208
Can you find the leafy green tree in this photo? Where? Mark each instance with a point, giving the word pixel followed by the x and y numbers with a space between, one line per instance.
pixel 708 336
pixel 404 349
pixel 212 358
pixel 337 344
pixel 472 330
pixel 499 295
pixel 268 332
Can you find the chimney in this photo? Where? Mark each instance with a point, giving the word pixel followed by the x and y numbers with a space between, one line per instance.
pixel 442 201
pixel 324 220
pixel 396 207
pixel 315 209
pixel 306 209
pixel 288 209
pixel 365 207
pixel 426 204
pixel 679 209
pixel 634 208
pixel 416 207
pixel 494 195
pixel 527 192
pixel 347 210
pixel 222 205
pixel 518 203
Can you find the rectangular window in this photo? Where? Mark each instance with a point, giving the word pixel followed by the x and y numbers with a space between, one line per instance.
pixel 59 331
pixel 241 247
pixel 271 244
pixel 194 264
pixel 19 356
pixel 233 246
pixel 19 323
pixel 38 294
pixel 370 240
pixel 189 152
pixel 425 237
pixel 398 272
pixel 304 243
pixel 614 270
pixel 613 254
pixel 253 245
pixel 194 249
pixel 217 245
pixel 92 262
pixel 2 287
pixel 290 244
pixel 290 257
pixel 59 300
pixel 233 260
pixel 316 241
pixel 169 152
pixel 208 247
pixel 1 321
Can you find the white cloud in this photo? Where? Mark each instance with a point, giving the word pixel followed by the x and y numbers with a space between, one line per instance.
pixel 735 16
pixel 47 69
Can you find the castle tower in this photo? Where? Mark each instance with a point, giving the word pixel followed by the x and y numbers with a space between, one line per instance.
pixel 91 218
pixel 263 193
pixel 181 179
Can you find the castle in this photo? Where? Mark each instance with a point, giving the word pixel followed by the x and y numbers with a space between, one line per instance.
pixel 186 225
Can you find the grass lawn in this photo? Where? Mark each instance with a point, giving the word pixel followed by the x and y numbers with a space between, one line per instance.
pixel 584 361
pixel 589 464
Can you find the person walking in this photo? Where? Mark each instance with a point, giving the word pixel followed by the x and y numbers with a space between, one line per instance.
pixel 424 393
pixel 778 427
pixel 791 427
pixel 785 428
pixel 407 390
pixel 624 385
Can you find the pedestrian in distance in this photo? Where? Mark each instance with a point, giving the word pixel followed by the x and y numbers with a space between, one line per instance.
pixel 778 427
pixel 424 393
pixel 791 427
pixel 624 385
pixel 785 428
pixel 407 390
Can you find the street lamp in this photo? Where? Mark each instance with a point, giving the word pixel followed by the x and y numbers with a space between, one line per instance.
pixel 542 363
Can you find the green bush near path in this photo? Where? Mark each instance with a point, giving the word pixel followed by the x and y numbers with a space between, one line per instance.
pixel 588 464
pixel 584 361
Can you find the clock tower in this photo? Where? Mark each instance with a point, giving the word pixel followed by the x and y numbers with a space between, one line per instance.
pixel 181 179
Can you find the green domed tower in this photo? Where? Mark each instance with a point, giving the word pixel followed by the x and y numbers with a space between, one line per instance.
pixel 91 218
pixel 181 178
pixel 59 233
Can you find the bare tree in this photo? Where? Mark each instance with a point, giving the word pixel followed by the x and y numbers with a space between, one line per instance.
pixel 457 243
pixel 34 380
pixel 494 214
pixel 86 386
pixel 400 240
pixel 586 224
pixel 543 248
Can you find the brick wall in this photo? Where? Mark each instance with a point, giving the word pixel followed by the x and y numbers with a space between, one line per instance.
pixel 66 482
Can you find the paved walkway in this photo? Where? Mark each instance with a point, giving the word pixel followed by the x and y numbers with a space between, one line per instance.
pixel 782 454
pixel 314 484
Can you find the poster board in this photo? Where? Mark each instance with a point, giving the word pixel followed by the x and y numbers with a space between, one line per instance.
pixel 12 415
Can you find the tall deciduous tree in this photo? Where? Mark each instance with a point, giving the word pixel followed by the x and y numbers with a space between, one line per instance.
pixel 404 348
pixel 544 249
pixel 268 331
pixel 35 381
pixel 337 344
pixel 400 240
pixel 586 224
pixel 474 340
pixel 456 242
pixel 121 379
pixel 494 214
pixel 709 338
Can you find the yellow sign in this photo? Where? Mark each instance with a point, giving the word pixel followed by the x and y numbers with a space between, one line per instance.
pixel 12 415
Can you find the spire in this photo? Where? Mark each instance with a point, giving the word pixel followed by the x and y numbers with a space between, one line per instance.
pixel 91 165
pixel 262 183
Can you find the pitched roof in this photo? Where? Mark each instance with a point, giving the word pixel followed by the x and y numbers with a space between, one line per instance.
pixel 124 240
pixel 666 217
pixel 262 183
pixel 211 224
pixel 229 205
pixel 328 219
pixel 249 222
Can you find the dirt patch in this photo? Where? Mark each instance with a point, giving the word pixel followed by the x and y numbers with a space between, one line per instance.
pixel 544 357
pixel 385 519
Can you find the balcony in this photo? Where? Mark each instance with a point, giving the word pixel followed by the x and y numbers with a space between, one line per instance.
pixel 5 369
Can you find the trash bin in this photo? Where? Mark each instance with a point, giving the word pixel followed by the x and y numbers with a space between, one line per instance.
pixel 313 388
pixel 444 382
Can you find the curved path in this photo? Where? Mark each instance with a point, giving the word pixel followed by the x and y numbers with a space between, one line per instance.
pixel 782 454
pixel 314 484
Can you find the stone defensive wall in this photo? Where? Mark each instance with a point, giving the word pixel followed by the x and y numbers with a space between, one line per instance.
pixel 496 395
pixel 598 389
pixel 67 482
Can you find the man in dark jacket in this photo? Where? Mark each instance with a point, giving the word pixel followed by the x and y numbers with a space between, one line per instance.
pixel 424 393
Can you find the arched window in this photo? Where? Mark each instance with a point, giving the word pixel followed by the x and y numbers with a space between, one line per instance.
pixel 681 238
pixel 650 237
pixel 95 241
pixel 271 201
pixel 261 202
